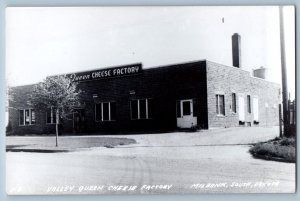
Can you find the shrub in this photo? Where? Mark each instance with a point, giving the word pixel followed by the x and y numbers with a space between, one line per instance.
pixel 8 128
pixel 283 149
pixel 109 146
pixel 288 142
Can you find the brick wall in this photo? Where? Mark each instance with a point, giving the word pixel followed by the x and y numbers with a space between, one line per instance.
pixel 227 80
pixel 19 101
pixel 165 85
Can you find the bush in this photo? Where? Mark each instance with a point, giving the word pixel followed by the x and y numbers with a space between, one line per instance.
pixel 8 128
pixel 109 146
pixel 283 149
pixel 288 142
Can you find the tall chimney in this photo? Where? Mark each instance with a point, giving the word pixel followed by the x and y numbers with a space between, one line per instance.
pixel 236 50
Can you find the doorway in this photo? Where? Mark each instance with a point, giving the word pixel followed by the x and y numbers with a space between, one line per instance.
pixel 79 121
pixel 185 111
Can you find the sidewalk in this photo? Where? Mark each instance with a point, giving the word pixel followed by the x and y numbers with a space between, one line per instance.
pixel 213 137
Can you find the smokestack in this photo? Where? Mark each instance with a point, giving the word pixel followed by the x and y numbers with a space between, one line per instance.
pixel 236 50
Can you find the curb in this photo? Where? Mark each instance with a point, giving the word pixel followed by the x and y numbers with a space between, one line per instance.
pixel 37 150
pixel 271 158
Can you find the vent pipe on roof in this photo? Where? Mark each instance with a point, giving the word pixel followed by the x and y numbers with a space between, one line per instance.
pixel 260 72
pixel 236 50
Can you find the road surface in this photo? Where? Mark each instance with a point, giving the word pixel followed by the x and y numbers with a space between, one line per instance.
pixel 151 166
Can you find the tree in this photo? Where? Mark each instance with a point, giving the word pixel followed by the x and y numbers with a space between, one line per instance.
pixel 58 93
pixel 10 95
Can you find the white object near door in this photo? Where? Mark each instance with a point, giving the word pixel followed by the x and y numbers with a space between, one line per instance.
pixel 241 109
pixel 255 109
pixel 185 110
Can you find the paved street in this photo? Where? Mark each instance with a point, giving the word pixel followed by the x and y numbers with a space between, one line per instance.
pixel 207 161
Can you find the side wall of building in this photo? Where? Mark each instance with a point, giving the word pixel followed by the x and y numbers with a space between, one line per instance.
pixel 19 97
pixel 226 80
pixel 164 85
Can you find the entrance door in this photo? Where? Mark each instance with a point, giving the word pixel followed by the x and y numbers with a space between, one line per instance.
pixel 241 109
pixel 185 118
pixel 79 121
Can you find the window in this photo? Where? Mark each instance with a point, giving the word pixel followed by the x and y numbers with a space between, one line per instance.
pixel 248 104
pixel 32 117
pixel 186 108
pixel 134 109
pixel 141 109
pixel 21 117
pixel 105 111
pixel 26 117
pixel 255 109
pixel 233 102
pixel 220 104
pixel 50 116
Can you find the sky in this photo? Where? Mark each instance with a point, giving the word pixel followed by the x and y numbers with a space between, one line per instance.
pixel 45 41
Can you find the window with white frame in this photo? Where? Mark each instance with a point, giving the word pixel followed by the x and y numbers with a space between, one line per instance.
pixel 105 111
pixel 220 104
pixel 26 117
pixel 141 108
pixel 51 116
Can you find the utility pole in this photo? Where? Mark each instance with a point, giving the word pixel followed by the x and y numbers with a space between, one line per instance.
pixel 283 75
pixel 280 121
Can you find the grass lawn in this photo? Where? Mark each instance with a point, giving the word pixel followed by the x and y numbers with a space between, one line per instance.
pixel 279 149
pixel 66 142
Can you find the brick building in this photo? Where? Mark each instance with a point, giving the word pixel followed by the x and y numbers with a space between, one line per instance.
pixel 199 94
